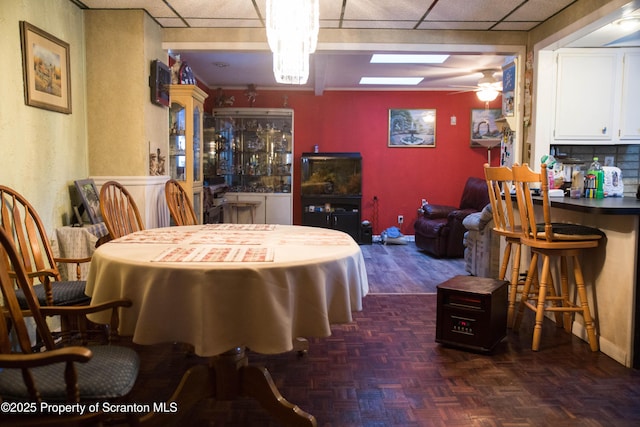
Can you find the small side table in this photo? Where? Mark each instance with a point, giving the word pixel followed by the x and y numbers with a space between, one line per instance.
pixel 78 242
pixel 253 205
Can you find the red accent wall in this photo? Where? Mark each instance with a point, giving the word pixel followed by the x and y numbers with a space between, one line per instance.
pixel 357 121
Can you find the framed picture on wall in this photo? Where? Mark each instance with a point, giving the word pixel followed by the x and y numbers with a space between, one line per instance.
pixel 484 131
pixel 412 128
pixel 508 89
pixel 45 65
pixel 90 199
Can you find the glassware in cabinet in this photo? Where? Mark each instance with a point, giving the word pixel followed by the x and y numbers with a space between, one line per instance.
pixel 253 149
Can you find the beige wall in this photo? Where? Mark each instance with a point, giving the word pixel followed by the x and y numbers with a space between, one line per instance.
pixel 42 152
pixel 123 125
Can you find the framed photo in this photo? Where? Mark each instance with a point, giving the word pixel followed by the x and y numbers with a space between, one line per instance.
pixel 90 199
pixel 508 89
pixel 412 128
pixel 484 131
pixel 45 65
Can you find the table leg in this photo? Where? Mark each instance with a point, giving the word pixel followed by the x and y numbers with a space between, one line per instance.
pixel 234 377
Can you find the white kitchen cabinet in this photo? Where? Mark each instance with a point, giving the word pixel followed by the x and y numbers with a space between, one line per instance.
pixel 630 110
pixel 586 95
pixel 597 96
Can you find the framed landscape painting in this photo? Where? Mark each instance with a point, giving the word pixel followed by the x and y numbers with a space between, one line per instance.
pixel 412 128
pixel 45 65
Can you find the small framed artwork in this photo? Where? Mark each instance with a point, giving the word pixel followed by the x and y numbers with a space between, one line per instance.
pixel 484 131
pixel 412 128
pixel 508 89
pixel 46 69
pixel 90 199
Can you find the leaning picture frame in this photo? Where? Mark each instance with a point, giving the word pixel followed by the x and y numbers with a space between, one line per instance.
pixel 412 128
pixel 46 69
pixel 90 199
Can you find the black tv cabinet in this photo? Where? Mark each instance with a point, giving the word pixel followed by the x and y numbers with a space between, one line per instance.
pixel 338 213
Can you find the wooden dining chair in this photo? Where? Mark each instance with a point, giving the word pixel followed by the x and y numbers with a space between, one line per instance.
pixel 24 227
pixel 547 240
pixel 180 206
pixel 67 372
pixel 119 211
pixel 499 183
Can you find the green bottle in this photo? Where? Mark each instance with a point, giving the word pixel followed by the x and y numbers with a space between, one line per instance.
pixel 596 170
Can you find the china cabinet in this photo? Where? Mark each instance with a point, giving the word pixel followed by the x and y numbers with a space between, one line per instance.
pixel 252 149
pixel 185 140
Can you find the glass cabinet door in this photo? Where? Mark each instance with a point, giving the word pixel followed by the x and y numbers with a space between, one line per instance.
pixel 253 149
pixel 177 142
pixel 196 145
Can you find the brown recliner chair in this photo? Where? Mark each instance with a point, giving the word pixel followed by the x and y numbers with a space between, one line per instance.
pixel 439 230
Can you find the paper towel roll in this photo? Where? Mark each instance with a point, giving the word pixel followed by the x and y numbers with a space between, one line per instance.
pixel 613 186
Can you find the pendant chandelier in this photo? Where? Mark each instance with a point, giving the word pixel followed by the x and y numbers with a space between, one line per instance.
pixel 292 32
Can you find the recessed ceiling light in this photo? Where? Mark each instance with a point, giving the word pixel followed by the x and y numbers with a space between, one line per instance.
pixel 390 80
pixel 629 22
pixel 401 58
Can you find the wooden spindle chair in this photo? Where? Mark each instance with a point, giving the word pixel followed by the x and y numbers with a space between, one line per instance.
pixel 119 210
pixel 180 206
pixel 548 240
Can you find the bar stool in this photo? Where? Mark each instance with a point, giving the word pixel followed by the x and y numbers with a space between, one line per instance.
pixel 547 240
pixel 499 186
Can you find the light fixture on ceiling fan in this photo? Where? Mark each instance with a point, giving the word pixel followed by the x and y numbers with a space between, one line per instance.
pixel 488 86
pixel 292 33
pixel 487 89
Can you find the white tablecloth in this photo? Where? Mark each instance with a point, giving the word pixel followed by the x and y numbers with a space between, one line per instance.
pixel 316 277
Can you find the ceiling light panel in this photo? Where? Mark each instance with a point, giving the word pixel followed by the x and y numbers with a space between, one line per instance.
pixel 408 81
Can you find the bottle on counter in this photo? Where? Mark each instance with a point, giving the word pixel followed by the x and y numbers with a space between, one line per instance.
pixel 596 174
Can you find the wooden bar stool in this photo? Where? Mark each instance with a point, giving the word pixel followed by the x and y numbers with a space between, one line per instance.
pixel 499 186
pixel 547 240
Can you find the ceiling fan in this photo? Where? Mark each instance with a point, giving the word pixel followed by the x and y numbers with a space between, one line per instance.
pixel 488 87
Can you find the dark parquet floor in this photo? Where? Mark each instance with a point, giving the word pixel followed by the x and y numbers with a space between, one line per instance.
pixel 385 369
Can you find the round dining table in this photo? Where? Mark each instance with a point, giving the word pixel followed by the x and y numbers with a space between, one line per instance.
pixel 222 288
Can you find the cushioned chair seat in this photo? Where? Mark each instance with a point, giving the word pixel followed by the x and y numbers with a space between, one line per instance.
pixel 110 373
pixel 64 294
pixel 564 231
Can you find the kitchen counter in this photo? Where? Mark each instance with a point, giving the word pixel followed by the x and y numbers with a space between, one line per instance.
pixel 607 206
pixel 611 270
